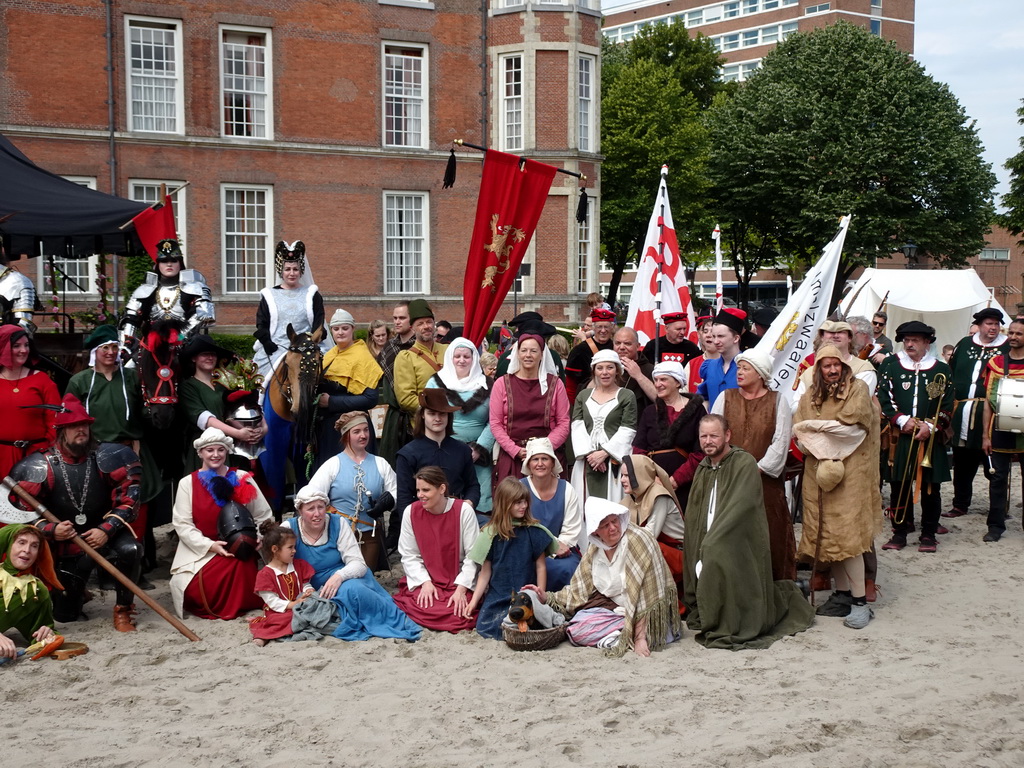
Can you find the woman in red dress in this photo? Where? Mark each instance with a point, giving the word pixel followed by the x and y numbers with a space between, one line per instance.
pixel 206 579
pixel 437 534
pixel 528 401
pixel 282 584
pixel 23 430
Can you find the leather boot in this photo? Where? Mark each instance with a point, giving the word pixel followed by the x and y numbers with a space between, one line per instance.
pixel 869 590
pixel 124 618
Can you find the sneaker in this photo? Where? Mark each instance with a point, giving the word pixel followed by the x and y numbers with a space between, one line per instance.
pixel 942 530
pixel 859 617
pixel 992 535
pixel 897 542
pixel 928 544
pixel 836 605
pixel 954 512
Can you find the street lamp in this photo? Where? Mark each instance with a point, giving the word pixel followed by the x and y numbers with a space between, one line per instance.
pixel 910 251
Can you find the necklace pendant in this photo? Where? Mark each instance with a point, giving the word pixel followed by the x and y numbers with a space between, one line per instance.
pixel 17 390
pixel 80 518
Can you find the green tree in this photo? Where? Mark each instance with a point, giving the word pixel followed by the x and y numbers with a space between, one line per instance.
pixel 839 121
pixel 653 92
pixel 1013 219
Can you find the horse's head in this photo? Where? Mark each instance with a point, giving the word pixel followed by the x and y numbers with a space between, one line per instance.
pixel 302 361
pixel 158 373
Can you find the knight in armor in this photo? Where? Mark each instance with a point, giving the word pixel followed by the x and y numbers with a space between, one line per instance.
pixel 17 296
pixel 93 488
pixel 170 293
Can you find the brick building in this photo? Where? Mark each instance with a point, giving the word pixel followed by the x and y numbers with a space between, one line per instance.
pixel 324 121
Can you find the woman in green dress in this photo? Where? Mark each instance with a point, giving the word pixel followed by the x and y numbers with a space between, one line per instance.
pixel 203 401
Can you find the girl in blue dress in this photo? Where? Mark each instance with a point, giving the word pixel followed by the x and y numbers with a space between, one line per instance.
pixel 512 550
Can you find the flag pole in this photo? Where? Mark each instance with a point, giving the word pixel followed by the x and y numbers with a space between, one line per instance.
pixel 717 237
pixel 662 190
pixel 158 202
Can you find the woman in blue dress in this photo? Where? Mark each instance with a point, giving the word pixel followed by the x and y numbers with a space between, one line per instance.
pixel 340 573
pixel 467 387
pixel 361 487
pixel 554 503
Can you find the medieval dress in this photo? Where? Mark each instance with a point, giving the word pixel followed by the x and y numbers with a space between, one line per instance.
pixel 731 599
pixel 562 516
pixel 277 589
pixel 608 426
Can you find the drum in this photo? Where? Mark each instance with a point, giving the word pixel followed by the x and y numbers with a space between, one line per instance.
pixel 1010 406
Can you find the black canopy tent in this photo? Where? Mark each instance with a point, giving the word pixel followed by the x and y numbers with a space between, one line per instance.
pixel 43 213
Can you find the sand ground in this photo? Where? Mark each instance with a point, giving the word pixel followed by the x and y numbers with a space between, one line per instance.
pixel 937 679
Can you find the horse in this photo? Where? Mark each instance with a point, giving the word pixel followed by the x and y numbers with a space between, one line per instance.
pixel 291 393
pixel 158 368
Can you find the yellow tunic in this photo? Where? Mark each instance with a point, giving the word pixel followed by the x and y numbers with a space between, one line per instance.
pixel 412 372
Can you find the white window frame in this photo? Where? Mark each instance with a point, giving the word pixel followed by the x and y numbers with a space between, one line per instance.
pixel 586 264
pixel 994 254
pixel 179 203
pixel 423 98
pixel 586 103
pixel 268 80
pixel 424 239
pixel 508 103
pixel 811 10
pixel 133 22
pixel 91 263
pixel 268 246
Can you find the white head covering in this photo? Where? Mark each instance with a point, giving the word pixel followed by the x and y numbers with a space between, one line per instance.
pixel 673 369
pixel 542 446
pixel 595 510
pixel 308 494
pixel 213 436
pixel 757 360
pixel 606 356
pixel 547 365
pixel 450 376
pixel 341 317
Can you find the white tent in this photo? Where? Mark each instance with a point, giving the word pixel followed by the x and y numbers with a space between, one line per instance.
pixel 945 299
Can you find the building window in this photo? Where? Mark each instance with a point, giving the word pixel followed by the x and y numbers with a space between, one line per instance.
pixel 245 63
pixel 512 102
pixel 70 277
pixel 995 254
pixel 405 242
pixel 731 10
pixel 584 249
pixel 247 211
pixel 148 191
pixel 876 3
pixel 405 96
pixel 154 76
pixel 820 8
pixel 876 27
pixel 585 95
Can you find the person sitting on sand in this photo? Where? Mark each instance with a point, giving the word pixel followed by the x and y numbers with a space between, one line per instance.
pixel 26 578
pixel 283 583
pixel 622 595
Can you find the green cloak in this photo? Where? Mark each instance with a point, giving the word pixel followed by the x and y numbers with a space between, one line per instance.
pixel 734 603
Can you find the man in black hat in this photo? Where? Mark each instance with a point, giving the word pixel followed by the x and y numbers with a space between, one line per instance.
pixel 761 320
pixel 916 397
pixel 170 292
pixel 433 446
pixel 968 362
pixel 720 374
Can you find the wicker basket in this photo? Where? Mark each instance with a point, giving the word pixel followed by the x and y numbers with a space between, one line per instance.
pixel 533 639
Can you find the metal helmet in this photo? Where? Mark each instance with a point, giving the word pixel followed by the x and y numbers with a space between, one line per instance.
pixel 237 527
pixel 247 415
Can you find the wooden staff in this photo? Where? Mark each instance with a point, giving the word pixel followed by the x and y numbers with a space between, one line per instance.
pixel 12 485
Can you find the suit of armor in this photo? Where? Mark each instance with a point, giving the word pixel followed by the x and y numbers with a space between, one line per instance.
pixel 17 299
pixel 186 299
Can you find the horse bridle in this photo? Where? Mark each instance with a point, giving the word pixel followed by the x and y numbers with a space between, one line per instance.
pixel 309 366
pixel 165 381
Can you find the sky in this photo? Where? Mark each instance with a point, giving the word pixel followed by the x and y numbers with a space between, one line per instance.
pixel 977 49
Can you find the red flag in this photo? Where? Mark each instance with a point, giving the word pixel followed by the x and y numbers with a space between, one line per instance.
pixel 156 224
pixel 508 208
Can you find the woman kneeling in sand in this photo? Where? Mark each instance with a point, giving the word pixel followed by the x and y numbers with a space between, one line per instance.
pixel 622 595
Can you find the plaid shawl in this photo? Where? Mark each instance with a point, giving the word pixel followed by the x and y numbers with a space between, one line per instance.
pixel 650 591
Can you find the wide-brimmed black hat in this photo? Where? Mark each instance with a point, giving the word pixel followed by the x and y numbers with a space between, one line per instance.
pixel 538 327
pixel 523 317
pixel 989 313
pixel 203 343
pixel 915 328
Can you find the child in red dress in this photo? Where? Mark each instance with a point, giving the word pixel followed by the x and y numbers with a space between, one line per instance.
pixel 283 583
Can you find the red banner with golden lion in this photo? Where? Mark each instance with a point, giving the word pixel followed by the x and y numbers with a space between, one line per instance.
pixel 512 196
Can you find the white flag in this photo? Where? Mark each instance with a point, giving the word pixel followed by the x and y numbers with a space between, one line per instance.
pixel 791 337
pixel 659 245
